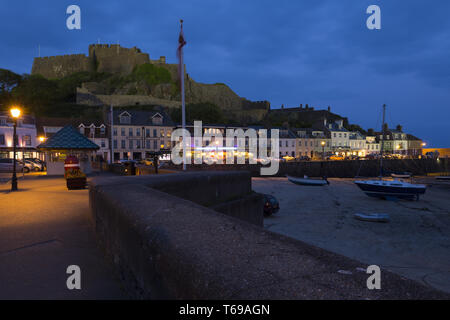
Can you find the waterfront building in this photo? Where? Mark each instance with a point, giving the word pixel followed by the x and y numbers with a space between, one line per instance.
pixel 358 144
pixel 27 139
pixel 136 134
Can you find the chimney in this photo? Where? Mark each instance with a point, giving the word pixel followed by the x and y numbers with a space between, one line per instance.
pixel 329 109
pixel 282 106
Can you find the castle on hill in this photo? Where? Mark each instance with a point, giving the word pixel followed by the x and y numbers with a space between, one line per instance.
pixel 109 58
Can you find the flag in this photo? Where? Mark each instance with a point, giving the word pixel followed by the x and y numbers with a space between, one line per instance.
pixel 181 44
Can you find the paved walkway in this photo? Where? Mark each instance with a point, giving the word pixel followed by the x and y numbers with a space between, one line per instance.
pixel 44 228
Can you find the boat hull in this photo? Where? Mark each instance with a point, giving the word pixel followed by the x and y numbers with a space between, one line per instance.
pixel 307 181
pixel 389 191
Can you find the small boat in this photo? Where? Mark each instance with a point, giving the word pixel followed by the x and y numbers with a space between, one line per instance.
pixel 305 181
pixel 372 217
pixel 391 189
pixel 401 175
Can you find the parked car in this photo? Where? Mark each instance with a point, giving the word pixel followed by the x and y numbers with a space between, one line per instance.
pixel 29 165
pixel 305 158
pixel 37 162
pixel 335 158
pixel 33 166
pixel 271 205
pixel 7 165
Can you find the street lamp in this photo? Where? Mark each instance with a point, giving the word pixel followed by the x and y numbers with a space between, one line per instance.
pixel 323 150
pixel 41 139
pixel 15 113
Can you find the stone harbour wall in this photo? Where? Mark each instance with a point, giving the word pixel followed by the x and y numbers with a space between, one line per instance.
pixel 165 246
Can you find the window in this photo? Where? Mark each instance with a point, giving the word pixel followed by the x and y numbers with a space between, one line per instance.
pixel 115 132
pixel 138 144
pixel 102 130
pixel 287 144
pixel 299 143
pixel 138 132
pixel 147 133
pixel 169 132
pixel 130 132
pixel 2 139
pixel 2 121
pixel 130 144
pixel 115 144
pixel 154 133
pixel 340 135
pixel 103 144
pixel 122 132
pixel 162 132
pixel 82 130
pixel 122 144
pixel 155 144
pixel 334 135
pixel 147 146
pixel 157 119
pixel 125 119
pixel 26 140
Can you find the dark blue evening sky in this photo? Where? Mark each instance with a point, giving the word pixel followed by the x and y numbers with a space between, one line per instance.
pixel 287 52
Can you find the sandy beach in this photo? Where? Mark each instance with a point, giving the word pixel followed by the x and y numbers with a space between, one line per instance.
pixel 414 244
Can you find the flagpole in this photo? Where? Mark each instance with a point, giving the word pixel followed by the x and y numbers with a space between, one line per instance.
pixel 183 110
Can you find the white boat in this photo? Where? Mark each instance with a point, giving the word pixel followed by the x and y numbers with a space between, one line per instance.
pixel 372 217
pixel 305 181
pixel 403 175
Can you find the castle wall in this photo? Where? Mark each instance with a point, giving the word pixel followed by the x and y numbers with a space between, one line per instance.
pixel 61 66
pixel 116 59
pixel 87 98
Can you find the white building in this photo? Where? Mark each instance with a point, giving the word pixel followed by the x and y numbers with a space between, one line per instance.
pixel 136 134
pixel 358 144
pixel 26 137
pixel 288 143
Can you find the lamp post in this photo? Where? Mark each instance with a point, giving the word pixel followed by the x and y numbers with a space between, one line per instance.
pixel 323 150
pixel 15 113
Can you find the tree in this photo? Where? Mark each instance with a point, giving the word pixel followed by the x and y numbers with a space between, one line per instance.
pixel 206 112
pixel 36 93
pixel 355 127
pixel 8 80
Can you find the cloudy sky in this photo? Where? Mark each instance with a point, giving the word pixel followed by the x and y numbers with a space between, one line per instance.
pixel 287 52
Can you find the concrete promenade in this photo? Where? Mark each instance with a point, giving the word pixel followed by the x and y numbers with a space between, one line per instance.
pixel 44 228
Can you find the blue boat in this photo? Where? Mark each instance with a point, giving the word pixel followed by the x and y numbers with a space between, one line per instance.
pixel 391 189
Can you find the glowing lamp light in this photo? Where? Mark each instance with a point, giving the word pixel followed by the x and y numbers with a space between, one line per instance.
pixel 15 112
pixel 322 143
pixel 41 139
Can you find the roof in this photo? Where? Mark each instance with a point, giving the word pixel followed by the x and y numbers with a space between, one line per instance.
pixel 68 138
pixel 143 118
pixel 42 122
